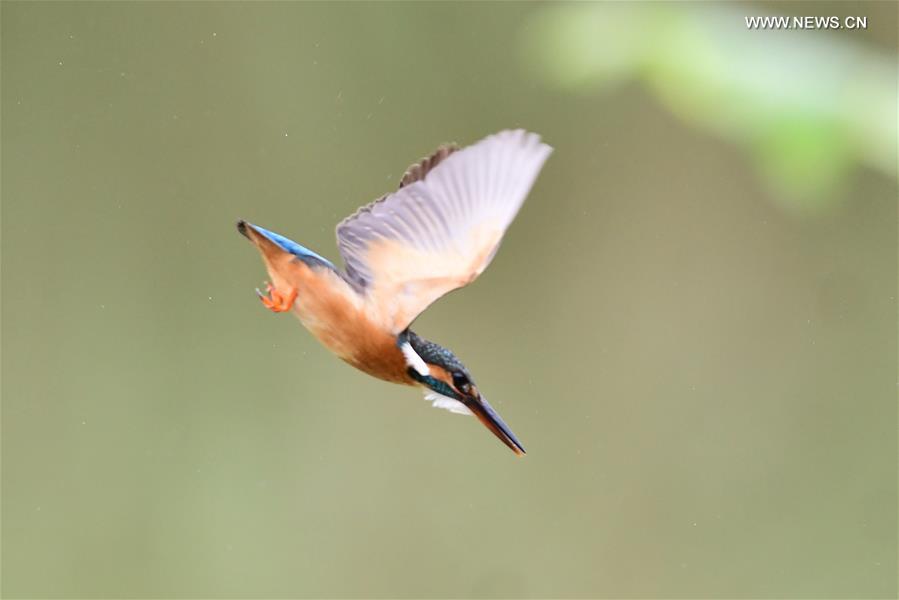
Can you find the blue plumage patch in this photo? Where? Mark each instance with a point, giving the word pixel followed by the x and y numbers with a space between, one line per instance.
pixel 440 387
pixel 434 354
pixel 288 245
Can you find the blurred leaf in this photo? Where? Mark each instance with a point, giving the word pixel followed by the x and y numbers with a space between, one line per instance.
pixel 567 54
pixel 809 108
pixel 806 161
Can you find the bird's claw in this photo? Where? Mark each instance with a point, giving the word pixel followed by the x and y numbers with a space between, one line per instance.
pixel 274 300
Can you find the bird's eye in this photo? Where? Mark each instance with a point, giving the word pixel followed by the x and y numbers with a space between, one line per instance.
pixel 461 383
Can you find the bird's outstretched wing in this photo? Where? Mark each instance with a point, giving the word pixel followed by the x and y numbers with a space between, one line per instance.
pixel 441 229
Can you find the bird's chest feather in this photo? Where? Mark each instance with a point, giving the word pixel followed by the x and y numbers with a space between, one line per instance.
pixel 340 319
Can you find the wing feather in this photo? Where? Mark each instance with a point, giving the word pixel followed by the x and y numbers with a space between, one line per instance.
pixel 441 229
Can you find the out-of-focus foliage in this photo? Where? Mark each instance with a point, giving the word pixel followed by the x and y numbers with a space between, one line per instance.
pixel 809 106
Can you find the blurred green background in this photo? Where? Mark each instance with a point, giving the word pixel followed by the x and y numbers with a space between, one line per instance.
pixel 691 325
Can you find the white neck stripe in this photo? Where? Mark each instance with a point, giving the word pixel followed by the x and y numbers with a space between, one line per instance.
pixel 414 360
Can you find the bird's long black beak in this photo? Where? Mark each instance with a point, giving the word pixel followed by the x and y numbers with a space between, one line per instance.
pixel 486 415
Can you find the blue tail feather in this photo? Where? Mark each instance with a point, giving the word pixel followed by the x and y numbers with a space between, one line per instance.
pixel 291 246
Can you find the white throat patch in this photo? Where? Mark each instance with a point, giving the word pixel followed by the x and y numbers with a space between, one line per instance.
pixel 414 360
pixel 450 404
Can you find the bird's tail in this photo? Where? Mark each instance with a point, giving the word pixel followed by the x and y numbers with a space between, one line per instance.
pixel 275 255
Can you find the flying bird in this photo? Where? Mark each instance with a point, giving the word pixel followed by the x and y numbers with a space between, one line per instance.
pixel 435 234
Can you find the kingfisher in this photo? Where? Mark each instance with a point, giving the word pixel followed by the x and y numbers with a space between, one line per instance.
pixel 436 233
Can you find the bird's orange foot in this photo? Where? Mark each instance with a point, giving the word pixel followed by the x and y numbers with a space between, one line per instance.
pixel 274 300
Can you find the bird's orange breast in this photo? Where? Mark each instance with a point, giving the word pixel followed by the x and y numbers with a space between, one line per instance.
pixel 335 314
pixel 338 317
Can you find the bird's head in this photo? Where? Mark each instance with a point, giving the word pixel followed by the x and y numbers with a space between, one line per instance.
pixel 449 385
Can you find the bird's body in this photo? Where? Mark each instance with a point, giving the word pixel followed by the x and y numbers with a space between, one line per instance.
pixel 336 314
pixel 437 233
